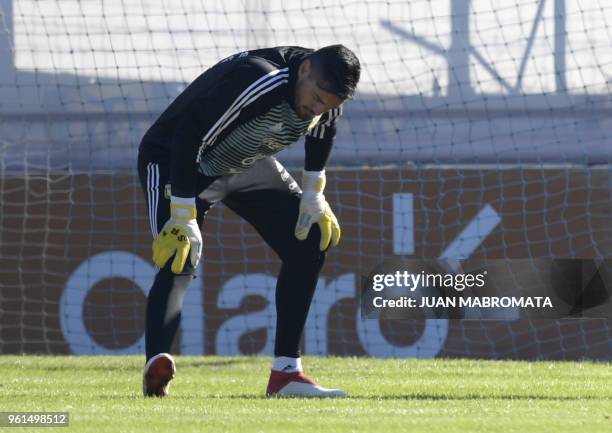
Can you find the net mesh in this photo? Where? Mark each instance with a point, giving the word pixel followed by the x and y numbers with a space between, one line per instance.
pixel 480 129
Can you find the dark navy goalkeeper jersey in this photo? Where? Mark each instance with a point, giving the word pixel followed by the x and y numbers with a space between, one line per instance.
pixel 237 112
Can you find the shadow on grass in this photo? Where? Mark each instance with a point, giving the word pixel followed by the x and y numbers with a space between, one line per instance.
pixel 77 366
pixel 210 362
pixel 433 397
pixel 419 397
pixel 437 397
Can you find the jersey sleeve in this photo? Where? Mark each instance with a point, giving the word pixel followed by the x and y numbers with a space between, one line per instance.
pixel 320 139
pixel 227 94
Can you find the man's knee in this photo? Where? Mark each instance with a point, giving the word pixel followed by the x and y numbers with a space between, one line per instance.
pixel 306 255
pixel 165 277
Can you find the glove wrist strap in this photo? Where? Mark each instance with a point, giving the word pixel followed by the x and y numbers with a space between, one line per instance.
pixel 313 182
pixel 182 209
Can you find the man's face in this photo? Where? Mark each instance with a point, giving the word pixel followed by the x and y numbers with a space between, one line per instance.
pixel 310 99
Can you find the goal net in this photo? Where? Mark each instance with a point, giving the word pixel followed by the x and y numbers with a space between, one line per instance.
pixel 480 131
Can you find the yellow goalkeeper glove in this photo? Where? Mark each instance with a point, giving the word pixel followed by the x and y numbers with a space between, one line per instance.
pixel 315 209
pixel 180 237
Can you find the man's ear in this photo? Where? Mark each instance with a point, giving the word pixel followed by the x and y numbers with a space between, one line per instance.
pixel 304 70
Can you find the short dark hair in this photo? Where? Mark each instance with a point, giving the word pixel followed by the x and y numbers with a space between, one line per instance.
pixel 337 69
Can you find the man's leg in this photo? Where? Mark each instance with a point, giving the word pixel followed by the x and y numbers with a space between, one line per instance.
pixel 268 198
pixel 165 300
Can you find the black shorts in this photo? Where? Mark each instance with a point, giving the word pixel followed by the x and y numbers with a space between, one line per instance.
pixel 266 196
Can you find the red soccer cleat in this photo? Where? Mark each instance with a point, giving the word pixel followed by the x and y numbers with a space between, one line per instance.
pixel 297 384
pixel 157 374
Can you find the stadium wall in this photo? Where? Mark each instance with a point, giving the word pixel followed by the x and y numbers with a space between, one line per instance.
pixel 75 263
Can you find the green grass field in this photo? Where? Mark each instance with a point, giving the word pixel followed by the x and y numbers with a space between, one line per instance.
pixel 103 394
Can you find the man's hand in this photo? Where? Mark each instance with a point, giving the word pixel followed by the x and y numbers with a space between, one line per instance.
pixel 180 236
pixel 315 209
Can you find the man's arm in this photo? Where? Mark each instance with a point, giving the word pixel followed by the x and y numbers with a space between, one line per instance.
pixel 208 112
pixel 313 205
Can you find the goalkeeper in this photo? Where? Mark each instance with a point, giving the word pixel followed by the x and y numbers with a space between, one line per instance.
pixel 215 143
